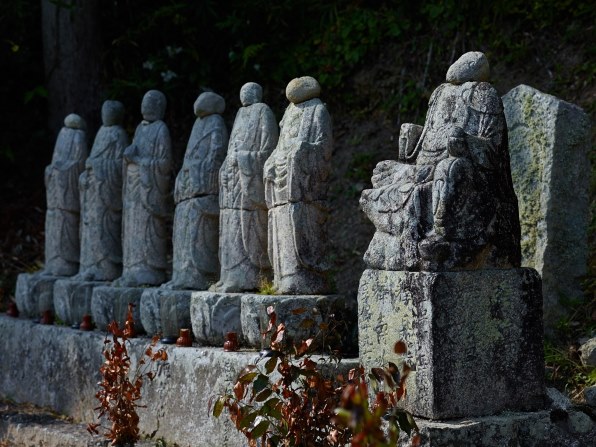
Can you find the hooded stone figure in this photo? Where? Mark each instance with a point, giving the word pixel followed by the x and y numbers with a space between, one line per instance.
pixel 296 177
pixel 101 199
pixel 147 197
pixel 196 221
pixel 243 211
pixel 62 244
pixel 448 203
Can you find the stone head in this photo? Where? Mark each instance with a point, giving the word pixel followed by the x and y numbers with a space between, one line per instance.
pixel 251 93
pixel 302 89
pixel 209 103
pixel 74 121
pixel 112 113
pixel 153 107
pixel 471 66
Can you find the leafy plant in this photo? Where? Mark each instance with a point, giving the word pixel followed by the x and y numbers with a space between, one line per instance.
pixel 119 390
pixel 285 399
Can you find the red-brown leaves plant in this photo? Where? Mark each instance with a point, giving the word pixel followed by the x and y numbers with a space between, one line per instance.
pixel 119 391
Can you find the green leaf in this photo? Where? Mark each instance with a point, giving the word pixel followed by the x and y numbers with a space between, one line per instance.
pixel 260 383
pixel 271 364
pixel 248 377
pixel 248 419
pixel 263 395
pixel 259 430
pixel 219 405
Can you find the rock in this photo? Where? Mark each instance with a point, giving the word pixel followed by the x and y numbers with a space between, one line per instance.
pixel 473 338
pixel 209 103
pixel 166 311
pixel 302 89
pixel 471 66
pixel 590 395
pixel 34 293
pixel 111 304
pixel 588 353
pixel 580 422
pixel 558 400
pixel 213 315
pixel 72 299
pixel 549 142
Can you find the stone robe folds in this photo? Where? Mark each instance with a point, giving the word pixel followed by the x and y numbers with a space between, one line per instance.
pixel 448 203
pixel 296 182
pixel 62 244
pixel 196 221
pixel 147 205
pixel 101 206
pixel 243 220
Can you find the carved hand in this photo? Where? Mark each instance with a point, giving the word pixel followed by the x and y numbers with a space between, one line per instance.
pixel 456 144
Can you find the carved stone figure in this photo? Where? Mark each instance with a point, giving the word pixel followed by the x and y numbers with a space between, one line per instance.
pixel 146 197
pixel 243 211
pixel 296 181
pixel 448 203
pixel 196 221
pixel 62 246
pixel 101 199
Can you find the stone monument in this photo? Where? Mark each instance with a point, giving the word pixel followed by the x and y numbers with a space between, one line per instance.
pixel 34 292
pixel 146 198
pixel 443 266
pixel 100 188
pixel 243 222
pixel 549 142
pixel 196 222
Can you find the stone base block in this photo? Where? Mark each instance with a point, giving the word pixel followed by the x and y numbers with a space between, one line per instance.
pixel 34 293
pixel 165 311
pixel 72 299
pixel 111 304
pixel 302 314
pixel 213 315
pixel 474 338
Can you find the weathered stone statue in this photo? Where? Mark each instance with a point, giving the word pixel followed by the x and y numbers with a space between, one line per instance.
pixel 62 246
pixel 243 211
pixel 448 203
pixel 296 181
pixel 147 197
pixel 101 199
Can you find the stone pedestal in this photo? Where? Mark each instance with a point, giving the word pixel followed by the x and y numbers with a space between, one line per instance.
pixel 166 311
pixel 34 293
pixel 302 314
pixel 111 304
pixel 474 338
pixel 213 315
pixel 72 299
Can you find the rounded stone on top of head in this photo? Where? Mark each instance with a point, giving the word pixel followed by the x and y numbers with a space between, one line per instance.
pixel 471 66
pixel 209 103
pixel 153 107
pixel 74 121
pixel 251 93
pixel 112 113
pixel 302 89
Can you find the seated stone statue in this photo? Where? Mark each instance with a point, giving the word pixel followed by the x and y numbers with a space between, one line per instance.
pixel 196 221
pixel 101 199
pixel 448 203
pixel 147 197
pixel 243 219
pixel 296 179
pixel 62 244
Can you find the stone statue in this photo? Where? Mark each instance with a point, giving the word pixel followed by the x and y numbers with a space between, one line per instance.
pixel 448 203
pixel 146 197
pixel 62 247
pixel 196 221
pixel 243 220
pixel 101 199
pixel 296 177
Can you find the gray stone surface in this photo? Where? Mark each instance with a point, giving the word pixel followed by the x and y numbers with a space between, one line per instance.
pixel 318 309
pixel 296 177
pixel 557 400
pixel 474 338
pixel 196 221
pixel 590 395
pixel 243 211
pixel 147 197
pixel 166 311
pixel 72 299
pixel 62 244
pixel 588 353
pixel 34 293
pixel 213 315
pixel 101 199
pixel 549 142
pixel 302 89
pixel 448 202
pixel 111 304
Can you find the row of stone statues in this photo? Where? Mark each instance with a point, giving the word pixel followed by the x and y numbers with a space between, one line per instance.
pixel 243 207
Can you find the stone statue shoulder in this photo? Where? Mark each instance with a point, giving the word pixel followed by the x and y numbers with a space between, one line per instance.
pixel 484 98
